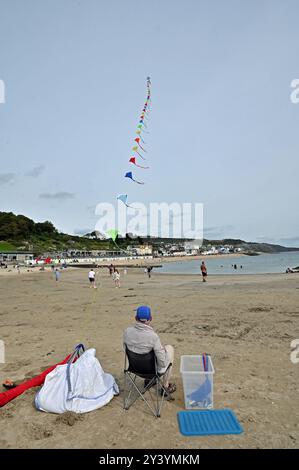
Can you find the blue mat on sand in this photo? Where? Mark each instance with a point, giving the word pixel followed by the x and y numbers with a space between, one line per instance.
pixel 208 422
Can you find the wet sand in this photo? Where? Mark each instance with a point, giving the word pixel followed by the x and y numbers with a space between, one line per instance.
pixel 245 322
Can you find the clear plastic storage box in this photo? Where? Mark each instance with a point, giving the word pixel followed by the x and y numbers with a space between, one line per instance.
pixel 197 381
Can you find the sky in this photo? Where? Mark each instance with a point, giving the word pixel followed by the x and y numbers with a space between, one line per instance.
pixel 223 129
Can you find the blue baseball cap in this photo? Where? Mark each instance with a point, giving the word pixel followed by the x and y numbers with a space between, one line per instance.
pixel 143 313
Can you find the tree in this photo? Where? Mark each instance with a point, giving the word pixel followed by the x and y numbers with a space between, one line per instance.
pixel 45 228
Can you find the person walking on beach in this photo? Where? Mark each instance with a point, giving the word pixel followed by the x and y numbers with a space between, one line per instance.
pixel 57 275
pixel 142 339
pixel 110 269
pixel 204 271
pixel 116 278
pixel 149 271
pixel 92 278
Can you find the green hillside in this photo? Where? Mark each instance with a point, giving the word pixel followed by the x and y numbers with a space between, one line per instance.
pixel 5 246
pixel 18 232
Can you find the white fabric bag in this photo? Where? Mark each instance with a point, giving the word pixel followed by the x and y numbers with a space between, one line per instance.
pixel 80 387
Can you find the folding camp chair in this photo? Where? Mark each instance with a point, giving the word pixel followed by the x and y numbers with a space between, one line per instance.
pixel 144 366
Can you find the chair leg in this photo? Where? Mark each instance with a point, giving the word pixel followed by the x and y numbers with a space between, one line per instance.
pixel 140 393
pixel 160 386
pixel 127 403
pixel 157 398
pixel 125 393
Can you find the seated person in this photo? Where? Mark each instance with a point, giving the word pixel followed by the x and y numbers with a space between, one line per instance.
pixel 141 339
pixel 289 270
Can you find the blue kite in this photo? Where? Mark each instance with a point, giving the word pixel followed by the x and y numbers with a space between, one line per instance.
pixel 123 198
pixel 129 174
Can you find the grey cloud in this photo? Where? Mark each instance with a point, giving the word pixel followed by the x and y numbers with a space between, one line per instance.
pixel 7 178
pixel 60 196
pixel 37 171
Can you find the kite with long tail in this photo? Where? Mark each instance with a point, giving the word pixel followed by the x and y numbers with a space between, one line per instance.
pixel 139 134
pixel 137 150
pixel 123 198
pixel 133 160
pixel 113 233
pixel 137 140
pixel 140 128
pixel 129 174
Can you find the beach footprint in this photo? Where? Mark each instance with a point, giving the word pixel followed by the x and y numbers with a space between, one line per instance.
pixel 38 432
pixel 69 418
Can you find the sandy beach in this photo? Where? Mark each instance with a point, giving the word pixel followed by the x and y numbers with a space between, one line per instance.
pixel 245 322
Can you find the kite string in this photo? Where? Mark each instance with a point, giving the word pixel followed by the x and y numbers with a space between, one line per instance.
pixel 142 126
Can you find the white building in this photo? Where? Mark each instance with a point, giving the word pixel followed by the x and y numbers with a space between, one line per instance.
pixel 16 256
pixel 144 250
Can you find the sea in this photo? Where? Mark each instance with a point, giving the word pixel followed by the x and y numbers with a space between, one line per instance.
pixel 261 264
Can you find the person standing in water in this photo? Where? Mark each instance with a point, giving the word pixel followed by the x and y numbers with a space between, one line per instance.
pixel 204 271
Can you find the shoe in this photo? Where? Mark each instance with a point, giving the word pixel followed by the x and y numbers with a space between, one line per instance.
pixel 8 384
pixel 169 390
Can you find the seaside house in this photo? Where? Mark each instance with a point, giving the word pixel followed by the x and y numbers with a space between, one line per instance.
pixel 144 250
pixel 16 256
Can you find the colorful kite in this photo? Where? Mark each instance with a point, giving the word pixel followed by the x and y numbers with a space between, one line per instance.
pixel 133 160
pixel 123 198
pixel 143 123
pixel 129 174
pixel 113 233
pixel 135 149
pixel 139 134
pixel 141 129
pixel 137 140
